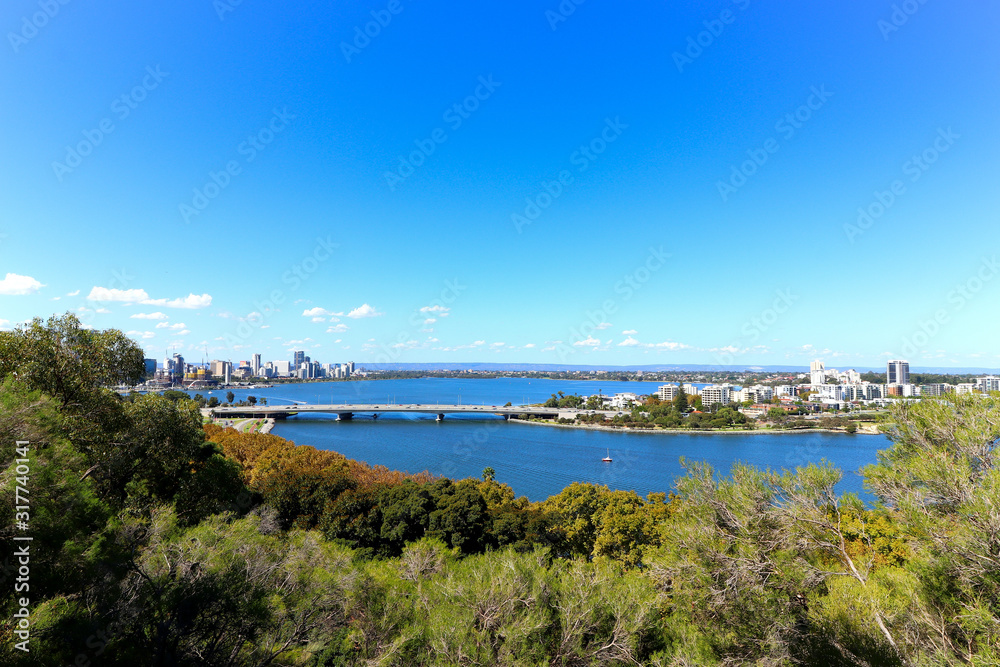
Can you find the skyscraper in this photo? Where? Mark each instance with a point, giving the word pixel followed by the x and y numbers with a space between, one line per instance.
pixel 298 358
pixel 897 372
pixel 255 364
pixel 817 372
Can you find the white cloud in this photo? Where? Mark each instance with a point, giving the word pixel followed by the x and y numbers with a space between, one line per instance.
pixel 103 311
pixel 628 342
pixel 123 295
pixel 172 327
pixel 149 316
pixel 529 346
pixel 603 325
pixel 430 320
pixel 589 342
pixel 670 345
pixel 497 345
pixel 319 319
pixel 337 328
pixel 146 335
pixel 16 285
pixel 363 310
pixel 140 296
pixel 629 332
pixel 164 325
pixel 320 312
pixel 73 293
pixel 190 301
pixel 441 310
pixel 478 343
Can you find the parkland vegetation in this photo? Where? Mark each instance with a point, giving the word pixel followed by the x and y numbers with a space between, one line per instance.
pixel 158 540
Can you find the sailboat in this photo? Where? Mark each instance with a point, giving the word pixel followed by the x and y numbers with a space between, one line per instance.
pixel 607 459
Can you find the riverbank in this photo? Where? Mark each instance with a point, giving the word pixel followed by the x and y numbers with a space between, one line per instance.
pixel 863 429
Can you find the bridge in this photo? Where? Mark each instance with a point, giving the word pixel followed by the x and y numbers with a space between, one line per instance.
pixel 346 411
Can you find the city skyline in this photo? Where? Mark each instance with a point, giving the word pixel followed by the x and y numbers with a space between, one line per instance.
pixel 736 184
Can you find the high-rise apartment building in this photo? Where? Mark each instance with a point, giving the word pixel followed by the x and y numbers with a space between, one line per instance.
pixel 817 372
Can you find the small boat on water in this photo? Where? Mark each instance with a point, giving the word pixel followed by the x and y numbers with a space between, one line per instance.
pixel 607 459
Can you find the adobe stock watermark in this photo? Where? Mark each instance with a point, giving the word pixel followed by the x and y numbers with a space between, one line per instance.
pixel 696 44
pixel 958 298
pixel 756 326
pixel 30 25
pixel 122 107
pixel 249 149
pixel 223 7
pixel 581 158
pixel 293 278
pixel 914 168
pixel 787 126
pixel 899 17
pixel 561 13
pixel 381 18
pixel 582 335
pixel 454 116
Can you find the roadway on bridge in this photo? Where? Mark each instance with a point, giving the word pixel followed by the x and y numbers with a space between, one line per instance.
pixel 349 409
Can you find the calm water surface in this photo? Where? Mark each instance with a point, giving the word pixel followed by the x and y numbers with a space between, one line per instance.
pixel 538 461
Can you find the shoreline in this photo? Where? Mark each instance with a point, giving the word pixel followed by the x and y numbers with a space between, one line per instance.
pixel 661 431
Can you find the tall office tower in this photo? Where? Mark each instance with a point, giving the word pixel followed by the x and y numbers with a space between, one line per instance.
pixel 897 372
pixel 298 358
pixel 178 366
pixel 350 368
pixel 817 372
pixel 255 365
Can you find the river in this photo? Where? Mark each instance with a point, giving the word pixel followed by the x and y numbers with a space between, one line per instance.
pixel 538 460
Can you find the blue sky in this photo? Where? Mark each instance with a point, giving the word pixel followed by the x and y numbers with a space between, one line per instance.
pixel 602 183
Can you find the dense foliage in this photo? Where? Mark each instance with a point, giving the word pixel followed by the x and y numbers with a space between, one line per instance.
pixel 158 541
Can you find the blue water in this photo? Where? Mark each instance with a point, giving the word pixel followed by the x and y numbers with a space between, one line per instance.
pixel 536 460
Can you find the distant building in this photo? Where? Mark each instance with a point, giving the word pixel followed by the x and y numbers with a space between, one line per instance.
pixel 178 367
pixel 934 389
pixel 255 364
pixel 298 358
pixel 897 372
pixel 623 401
pixel 282 368
pixel 150 366
pixel 817 372
pixel 722 393
pixel 988 383
pixel 668 392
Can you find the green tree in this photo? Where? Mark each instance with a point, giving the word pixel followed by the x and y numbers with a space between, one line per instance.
pixel 230 397
pixel 489 474
pixel 681 401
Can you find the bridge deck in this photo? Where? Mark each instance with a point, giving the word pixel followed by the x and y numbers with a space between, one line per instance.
pixel 382 408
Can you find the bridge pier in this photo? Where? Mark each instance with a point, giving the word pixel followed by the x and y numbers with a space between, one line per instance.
pixel 345 416
pixel 374 415
pixel 440 417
